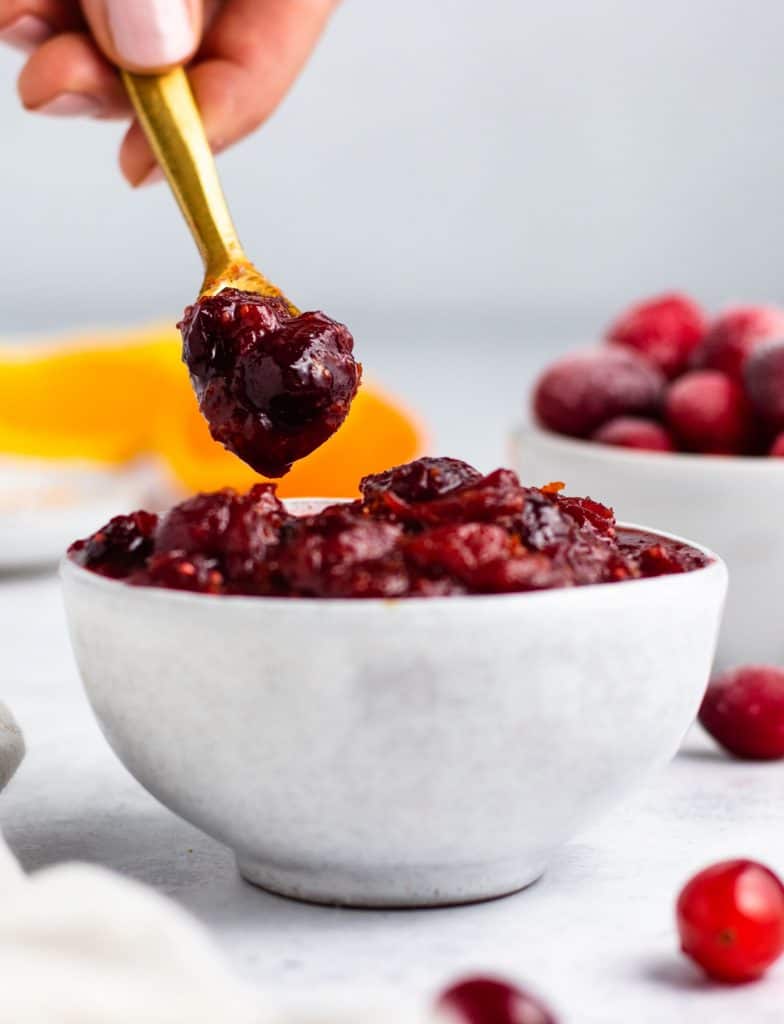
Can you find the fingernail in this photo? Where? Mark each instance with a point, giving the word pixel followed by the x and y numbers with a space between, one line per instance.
pixel 152 177
pixel 26 33
pixel 70 104
pixel 151 33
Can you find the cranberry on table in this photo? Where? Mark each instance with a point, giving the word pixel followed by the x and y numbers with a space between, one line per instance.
pixel 708 412
pixel 665 330
pixel 735 335
pixel 731 920
pixel 764 377
pixel 484 1000
pixel 272 386
pixel 743 710
pixel 579 393
pixel 635 432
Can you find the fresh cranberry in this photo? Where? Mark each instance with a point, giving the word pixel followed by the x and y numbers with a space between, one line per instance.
pixel 576 395
pixel 731 920
pixel 272 386
pixel 177 571
pixel 118 548
pixel 635 432
pixel 764 376
pixel 735 335
pixel 708 412
pixel 665 330
pixel 777 448
pixel 483 1000
pixel 743 710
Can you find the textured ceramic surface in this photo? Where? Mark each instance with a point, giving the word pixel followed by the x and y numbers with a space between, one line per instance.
pixel 386 753
pixel 734 505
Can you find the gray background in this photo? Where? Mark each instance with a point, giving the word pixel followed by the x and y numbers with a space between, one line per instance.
pixel 445 172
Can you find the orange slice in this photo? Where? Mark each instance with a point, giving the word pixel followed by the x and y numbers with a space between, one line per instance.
pixel 111 398
pixel 88 398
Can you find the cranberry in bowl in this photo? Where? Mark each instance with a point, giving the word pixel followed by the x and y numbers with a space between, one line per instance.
pixel 409 699
pixel 677 418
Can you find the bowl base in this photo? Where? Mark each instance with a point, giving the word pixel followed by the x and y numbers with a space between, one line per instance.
pixel 396 888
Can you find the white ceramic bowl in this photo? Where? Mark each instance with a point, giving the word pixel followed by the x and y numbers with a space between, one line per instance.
pixel 394 753
pixel 734 505
pixel 45 503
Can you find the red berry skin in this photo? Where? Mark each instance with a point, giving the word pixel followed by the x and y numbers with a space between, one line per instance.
pixel 735 335
pixel 764 377
pixel 483 1000
pixel 743 710
pixel 579 393
pixel 665 330
pixel 777 448
pixel 635 432
pixel 708 412
pixel 731 920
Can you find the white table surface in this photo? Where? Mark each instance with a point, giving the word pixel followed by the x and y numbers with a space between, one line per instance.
pixel 595 935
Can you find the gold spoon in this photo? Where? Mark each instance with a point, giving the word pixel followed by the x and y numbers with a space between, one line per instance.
pixel 170 118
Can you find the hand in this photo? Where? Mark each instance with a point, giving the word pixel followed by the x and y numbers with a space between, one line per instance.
pixel 243 56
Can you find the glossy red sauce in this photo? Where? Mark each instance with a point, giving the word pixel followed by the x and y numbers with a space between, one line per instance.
pixel 433 527
pixel 272 386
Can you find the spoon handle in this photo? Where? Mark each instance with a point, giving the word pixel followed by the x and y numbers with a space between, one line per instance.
pixel 170 118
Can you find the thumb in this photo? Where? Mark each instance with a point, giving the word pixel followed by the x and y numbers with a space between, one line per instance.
pixel 146 35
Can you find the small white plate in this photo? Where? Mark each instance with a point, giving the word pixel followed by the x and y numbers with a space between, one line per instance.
pixel 47 504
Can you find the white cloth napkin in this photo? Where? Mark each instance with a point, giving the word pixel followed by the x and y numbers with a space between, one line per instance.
pixel 81 945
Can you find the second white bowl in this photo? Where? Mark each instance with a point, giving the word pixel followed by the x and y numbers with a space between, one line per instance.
pixel 733 504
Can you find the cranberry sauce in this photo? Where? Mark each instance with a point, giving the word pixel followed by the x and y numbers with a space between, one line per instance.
pixel 433 527
pixel 272 386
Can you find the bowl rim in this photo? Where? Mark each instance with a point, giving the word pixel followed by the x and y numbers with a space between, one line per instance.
pixel 716 566
pixel 679 461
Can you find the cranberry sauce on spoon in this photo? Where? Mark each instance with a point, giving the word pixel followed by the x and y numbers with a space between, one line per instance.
pixel 273 383
pixel 273 386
